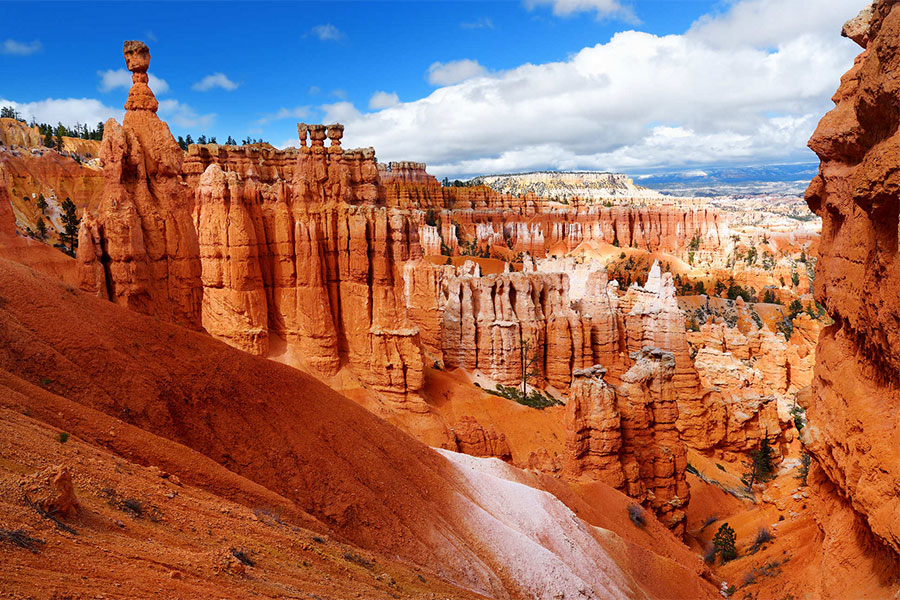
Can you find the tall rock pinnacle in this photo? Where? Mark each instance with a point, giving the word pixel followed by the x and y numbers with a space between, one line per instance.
pixel 137 59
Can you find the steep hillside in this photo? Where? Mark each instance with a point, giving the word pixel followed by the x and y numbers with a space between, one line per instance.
pixel 465 522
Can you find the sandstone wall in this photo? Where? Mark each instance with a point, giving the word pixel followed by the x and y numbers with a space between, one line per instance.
pixel 854 425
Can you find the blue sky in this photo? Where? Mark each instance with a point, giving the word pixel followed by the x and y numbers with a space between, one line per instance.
pixel 470 87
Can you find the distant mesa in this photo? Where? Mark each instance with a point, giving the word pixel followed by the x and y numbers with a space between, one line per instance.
pixel 563 185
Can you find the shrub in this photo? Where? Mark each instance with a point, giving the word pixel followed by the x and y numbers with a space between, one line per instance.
pixel 133 505
pixel 243 555
pixel 721 468
pixel 797 412
pixel 803 469
pixel 692 469
pixel 724 543
pixel 63 437
pixel 359 560
pixel 763 537
pixel 19 538
pixel 636 514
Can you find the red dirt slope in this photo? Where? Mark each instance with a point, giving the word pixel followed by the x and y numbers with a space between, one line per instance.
pixel 286 434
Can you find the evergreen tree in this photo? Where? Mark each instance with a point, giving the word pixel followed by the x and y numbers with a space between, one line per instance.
pixel 188 140
pixel 41 203
pixel 48 139
pixel 201 139
pixel 724 543
pixel 760 466
pixel 70 220
pixel 231 141
pixel 182 144
pixel 41 228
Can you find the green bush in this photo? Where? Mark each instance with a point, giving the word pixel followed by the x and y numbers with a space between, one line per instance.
pixel 724 543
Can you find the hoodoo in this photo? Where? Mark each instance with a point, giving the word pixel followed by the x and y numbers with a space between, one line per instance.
pixel 302 372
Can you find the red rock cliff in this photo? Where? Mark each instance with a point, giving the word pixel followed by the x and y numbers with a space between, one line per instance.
pixel 853 413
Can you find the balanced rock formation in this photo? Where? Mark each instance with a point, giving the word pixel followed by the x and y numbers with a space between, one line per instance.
pixel 856 388
pixel 142 250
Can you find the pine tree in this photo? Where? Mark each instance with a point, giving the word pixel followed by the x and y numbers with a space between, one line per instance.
pixel 182 144
pixel 41 203
pixel 230 141
pixel 188 140
pixel 760 466
pixel 724 543
pixel 48 139
pixel 41 228
pixel 70 221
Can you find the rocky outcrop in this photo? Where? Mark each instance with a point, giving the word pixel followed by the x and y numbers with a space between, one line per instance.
pixel 626 436
pixel 476 440
pixel 52 491
pixel 856 389
pixel 143 242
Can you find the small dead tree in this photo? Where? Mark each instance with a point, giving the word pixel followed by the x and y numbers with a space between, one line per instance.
pixel 528 361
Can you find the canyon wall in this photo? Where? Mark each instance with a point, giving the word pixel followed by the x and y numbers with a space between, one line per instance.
pixel 856 388
pixel 314 256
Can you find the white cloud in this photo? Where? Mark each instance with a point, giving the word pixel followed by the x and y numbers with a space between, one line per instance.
pixel 480 23
pixel 767 23
pixel 314 89
pixel 11 46
pixel 326 33
pixel 636 102
pixel 299 112
pixel 454 71
pixel 602 8
pixel 381 100
pixel 67 111
pixel 339 112
pixel 339 93
pixel 121 78
pixel 216 80
pixel 183 115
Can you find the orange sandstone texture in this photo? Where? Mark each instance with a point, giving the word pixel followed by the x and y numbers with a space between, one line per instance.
pixel 853 422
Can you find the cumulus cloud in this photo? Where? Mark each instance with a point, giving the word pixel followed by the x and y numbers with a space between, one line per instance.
pixel 636 102
pixel 121 78
pixel 67 111
pixel 381 100
pixel 767 23
pixel 326 33
pixel 216 80
pixel 339 112
pixel 183 115
pixel 299 112
pixel 602 8
pixel 11 46
pixel 454 71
